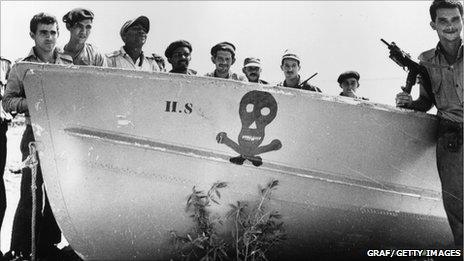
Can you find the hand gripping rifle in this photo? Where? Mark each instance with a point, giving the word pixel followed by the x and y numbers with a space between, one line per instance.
pixel 305 81
pixel 414 69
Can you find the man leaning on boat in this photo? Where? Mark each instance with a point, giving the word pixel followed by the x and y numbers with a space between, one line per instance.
pixel 223 57
pixel 44 31
pixel 79 24
pixel 290 65
pixel 179 54
pixel 444 66
pixel 131 56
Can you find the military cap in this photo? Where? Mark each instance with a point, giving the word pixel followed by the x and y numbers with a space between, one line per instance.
pixel 288 54
pixel 251 61
pixel 76 15
pixel 347 75
pixel 223 46
pixel 174 45
pixel 141 20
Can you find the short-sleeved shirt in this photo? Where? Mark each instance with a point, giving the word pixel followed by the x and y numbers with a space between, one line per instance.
pixel 306 86
pixel 231 76
pixel 88 55
pixel 120 59
pixel 447 82
pixel 15 97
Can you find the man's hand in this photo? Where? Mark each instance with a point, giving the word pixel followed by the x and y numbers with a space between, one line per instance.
pixel 403 100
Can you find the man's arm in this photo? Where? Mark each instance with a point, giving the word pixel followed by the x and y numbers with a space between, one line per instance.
pixel 14 99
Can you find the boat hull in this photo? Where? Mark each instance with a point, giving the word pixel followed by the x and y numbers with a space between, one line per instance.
pixel 120 152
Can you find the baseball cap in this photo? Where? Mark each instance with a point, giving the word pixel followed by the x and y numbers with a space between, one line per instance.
pixel 141 20
pixel 251 61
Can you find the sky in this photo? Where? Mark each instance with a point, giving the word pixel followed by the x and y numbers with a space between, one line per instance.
pixel 330 37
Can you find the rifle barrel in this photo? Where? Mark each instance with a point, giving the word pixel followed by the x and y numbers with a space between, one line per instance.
pixel 385 42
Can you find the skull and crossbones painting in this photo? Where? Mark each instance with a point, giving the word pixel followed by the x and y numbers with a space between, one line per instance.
pixel 257 109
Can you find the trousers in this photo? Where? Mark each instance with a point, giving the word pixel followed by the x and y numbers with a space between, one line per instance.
pixel 48 232
pixel 450 169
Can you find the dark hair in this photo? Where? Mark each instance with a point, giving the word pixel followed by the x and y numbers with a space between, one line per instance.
pixel 440 4
pixel 225 50
pixel 42 18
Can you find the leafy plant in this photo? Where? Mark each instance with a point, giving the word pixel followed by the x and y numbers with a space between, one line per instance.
pixel 256 229
pixel 204 243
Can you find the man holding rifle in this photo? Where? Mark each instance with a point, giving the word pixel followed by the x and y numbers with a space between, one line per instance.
pixel 445 91
pixel 291 67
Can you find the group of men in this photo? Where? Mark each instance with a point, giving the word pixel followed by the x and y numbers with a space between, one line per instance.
pixel 443 63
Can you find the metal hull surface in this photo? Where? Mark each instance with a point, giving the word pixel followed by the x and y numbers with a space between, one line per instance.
pixel 120 152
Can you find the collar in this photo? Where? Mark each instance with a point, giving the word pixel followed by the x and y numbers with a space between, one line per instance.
pixel 298 83
pixel 57 54
pixel 228 75
pixel 140 59
pixel 439 50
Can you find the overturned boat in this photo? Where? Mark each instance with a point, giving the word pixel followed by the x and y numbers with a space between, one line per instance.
pixel 121 150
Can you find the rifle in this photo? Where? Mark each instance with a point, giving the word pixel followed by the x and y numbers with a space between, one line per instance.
pixel 414 69
pixel 305 81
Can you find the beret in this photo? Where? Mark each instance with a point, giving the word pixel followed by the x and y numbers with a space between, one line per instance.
pixel 141 20
pixel 174 45
pixel 223 46
pixel 76 15
pixel 346 75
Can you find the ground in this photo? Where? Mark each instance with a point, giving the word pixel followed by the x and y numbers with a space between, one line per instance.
pixel 12 182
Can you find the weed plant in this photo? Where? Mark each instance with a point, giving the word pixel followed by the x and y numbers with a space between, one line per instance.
pixel 256 230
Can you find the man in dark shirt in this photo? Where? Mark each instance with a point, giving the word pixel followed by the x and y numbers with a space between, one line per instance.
pixel 179 54
pixel 291 66
pixel 252 70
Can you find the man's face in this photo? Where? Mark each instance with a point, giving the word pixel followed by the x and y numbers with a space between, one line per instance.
pixel 80 31
pixel 135 36
pixel 223 60
pixel 290 68
pixel 252 73
pixel 45 37
pixel 180 58
pixel 448 24
pixel 349 86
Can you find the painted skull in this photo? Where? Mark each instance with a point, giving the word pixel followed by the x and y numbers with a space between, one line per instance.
pixel 257 110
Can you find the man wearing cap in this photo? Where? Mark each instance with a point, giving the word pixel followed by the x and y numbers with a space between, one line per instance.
pixel 44 32
pixel 131 56
pixel 252 70
pixel 79 23
pixel 291 66
pixel 349 82
pixel 223 56
pixel 179 56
